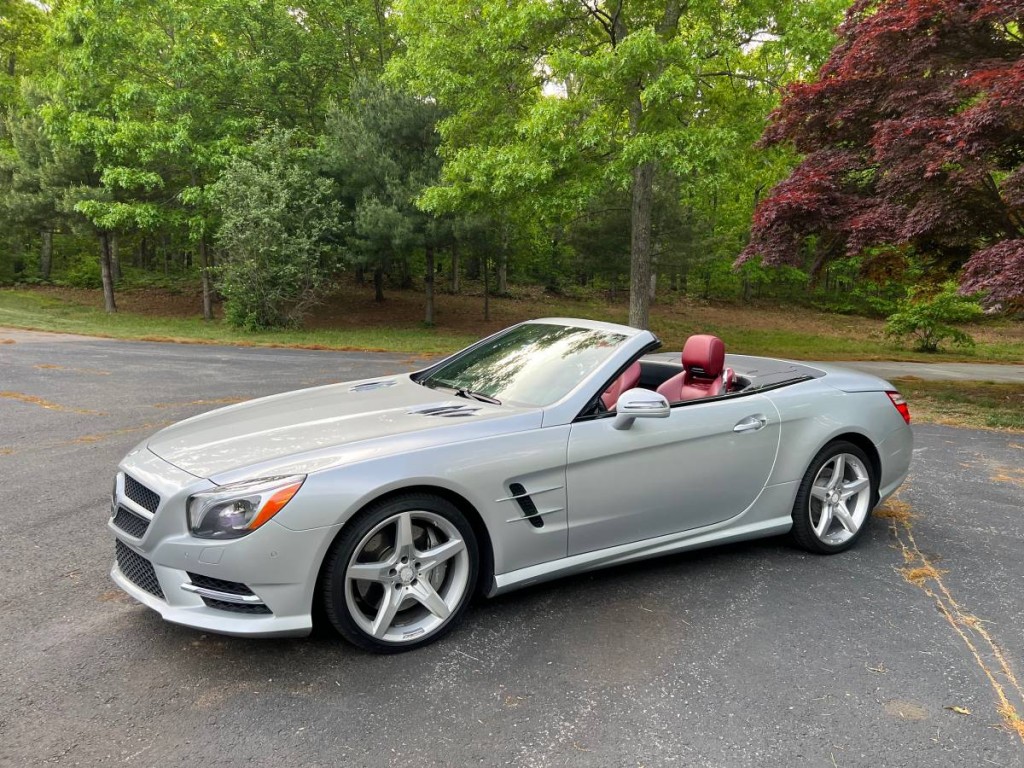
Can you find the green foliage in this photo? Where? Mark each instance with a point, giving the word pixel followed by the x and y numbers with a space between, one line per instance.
pixel 381 149
pixel 279 233
pixel 82 272
pixel 926 320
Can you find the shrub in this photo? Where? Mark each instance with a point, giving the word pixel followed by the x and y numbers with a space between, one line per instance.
pixel 278 228
pixel 83 272
pixel 926 319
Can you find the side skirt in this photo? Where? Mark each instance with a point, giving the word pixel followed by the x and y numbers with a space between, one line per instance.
pixel 640 550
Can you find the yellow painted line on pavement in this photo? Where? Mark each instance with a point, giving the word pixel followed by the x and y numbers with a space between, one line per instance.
pixel 919 570
pixel 33 400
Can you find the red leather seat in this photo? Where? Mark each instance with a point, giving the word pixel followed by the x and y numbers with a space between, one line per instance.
pixel 629 379
pixel 704 372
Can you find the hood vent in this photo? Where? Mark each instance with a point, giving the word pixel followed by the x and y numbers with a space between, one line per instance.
pixel 372 385
pixel 446 411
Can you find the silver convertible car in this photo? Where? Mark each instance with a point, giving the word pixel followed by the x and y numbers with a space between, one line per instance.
pixel 553 447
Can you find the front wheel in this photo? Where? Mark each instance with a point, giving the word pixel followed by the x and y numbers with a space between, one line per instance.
pixel 834 499
pixel 401 574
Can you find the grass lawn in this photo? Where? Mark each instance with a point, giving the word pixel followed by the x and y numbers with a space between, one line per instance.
pixel 978 404
pixel 351 320
pixel 49 311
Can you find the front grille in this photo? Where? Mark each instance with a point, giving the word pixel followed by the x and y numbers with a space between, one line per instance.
pixel 137 569
pixel 236 607
pixel 131 523
pixel 140 494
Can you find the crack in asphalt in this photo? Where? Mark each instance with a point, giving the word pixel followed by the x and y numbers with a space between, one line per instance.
pixel 920 571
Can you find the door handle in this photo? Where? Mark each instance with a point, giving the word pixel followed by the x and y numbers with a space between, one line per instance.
pixel 751 424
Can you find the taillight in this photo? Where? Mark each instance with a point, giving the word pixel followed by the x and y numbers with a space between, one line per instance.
pixel 900 403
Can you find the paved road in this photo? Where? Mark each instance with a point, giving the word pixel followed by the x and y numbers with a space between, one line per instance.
pixel 1013 374
pixel 752 655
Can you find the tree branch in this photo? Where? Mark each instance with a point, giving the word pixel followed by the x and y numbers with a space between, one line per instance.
pixel 740 76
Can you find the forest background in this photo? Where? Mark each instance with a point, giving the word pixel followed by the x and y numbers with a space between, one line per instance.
pixel 269 165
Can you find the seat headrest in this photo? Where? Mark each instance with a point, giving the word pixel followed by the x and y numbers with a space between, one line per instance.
pixel 704 355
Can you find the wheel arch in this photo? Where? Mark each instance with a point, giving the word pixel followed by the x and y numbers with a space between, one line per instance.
pixel 865 444
pixel 485 573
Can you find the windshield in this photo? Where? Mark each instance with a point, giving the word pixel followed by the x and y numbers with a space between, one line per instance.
pixel 532 364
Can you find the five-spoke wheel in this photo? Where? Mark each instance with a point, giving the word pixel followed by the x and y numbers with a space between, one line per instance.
pixel 400 573
pixel 834 499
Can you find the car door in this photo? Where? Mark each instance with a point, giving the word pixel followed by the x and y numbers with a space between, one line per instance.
pixel 705 463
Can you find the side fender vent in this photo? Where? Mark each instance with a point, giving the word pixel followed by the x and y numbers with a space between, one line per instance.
pixel 526 504
pixel 446 411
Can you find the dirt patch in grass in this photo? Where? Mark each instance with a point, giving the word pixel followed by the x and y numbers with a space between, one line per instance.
pixel 152 302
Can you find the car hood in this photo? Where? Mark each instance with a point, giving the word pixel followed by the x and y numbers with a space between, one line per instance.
pixel 314 428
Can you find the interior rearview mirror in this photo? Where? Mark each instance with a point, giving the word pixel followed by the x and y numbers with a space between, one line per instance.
pixel 639 404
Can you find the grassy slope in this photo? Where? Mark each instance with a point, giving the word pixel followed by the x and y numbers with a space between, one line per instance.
pixel 39 311
pixel 351 320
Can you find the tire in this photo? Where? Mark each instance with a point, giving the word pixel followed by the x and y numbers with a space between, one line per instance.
pixel 831 512
pixel 401 573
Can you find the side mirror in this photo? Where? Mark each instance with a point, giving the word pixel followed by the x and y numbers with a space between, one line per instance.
pixel 639 404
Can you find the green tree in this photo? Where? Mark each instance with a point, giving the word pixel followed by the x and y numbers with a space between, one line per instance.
pixel 163 93
pixel 381 148
pixel 551 102
pixel 280 232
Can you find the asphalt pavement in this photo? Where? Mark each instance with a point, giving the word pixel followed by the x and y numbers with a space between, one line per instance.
pixel 906 651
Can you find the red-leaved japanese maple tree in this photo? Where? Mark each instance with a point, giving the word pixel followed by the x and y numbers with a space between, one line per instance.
pixel 912 136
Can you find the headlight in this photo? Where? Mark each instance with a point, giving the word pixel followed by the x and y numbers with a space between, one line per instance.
pixel 235 510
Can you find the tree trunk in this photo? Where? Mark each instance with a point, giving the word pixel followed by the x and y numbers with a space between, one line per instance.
pixel 106 273
pixel 46 255
pixel 502 284
pixel 428 282
pixel 378 284
pixel 360 275
pixel 115 257
pixel 487 291
pixel 204 274
pixel 640 247
pixel 654 280
pixel 454 277
pixel 404 276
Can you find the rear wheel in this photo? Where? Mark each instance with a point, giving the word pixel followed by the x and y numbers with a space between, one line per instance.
pixel 401 574
pixel 834 499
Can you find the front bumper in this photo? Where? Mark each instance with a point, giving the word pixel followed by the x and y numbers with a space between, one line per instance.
pixel 160 564
pixel 279 566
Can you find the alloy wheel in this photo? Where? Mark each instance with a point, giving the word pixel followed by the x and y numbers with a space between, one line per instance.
pixel 840 499
pixel 407 576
